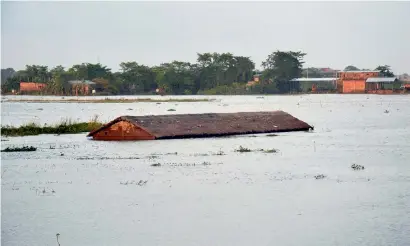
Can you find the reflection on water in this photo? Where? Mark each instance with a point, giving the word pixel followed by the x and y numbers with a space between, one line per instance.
pixel 182 192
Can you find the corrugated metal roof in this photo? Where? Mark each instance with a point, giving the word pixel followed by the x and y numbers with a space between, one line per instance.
pixel 212 124
pixel 314 79
pixel 364 71
pixel 381 80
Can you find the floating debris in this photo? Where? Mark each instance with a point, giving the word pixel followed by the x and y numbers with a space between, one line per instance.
pixel 272 135
pixel 140 183
pixel 156 165
pixel 19 149
pixel 320 176
pixel 171 109
pixel 357 167
pixel 129 109
pixel 386 111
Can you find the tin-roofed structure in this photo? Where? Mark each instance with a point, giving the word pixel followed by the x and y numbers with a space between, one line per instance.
pixel 385 85
pixel 197 125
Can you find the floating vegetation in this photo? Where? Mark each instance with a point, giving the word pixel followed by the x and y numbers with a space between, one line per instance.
pixel 111 100
pixel 220 153
pixel 171 153
pixel 269 150
pixel 357 167
pixel 386 111
pixel 19 149
pixel 272 135
pixel 243 149
pixel 156 165
pixel 171 109
pixel 109 158
pixel 67 126
pixel 200 154
pixel 320 176
pixel 133 182
pixel 205 163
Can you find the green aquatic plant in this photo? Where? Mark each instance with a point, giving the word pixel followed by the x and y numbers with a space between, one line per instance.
pixel 243 149
pixel 20 149
pixel 66 126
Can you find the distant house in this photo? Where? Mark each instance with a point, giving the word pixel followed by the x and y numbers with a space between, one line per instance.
pixel 385 85
pixel 255 80
pixel 314 84
pixel 354 81
pixel 31 87
pixel 404 78
pixel 81 87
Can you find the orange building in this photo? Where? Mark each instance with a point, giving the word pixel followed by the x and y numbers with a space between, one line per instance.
pixel 31 86
pixel 354 81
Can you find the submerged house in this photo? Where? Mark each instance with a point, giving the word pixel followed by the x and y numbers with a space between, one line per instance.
pixel 197 125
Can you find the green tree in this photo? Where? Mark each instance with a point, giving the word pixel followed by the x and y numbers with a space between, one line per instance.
pixel 281 67
pixel 351 68
pixel 385 71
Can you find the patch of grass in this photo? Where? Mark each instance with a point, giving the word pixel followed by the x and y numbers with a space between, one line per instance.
pixel 171 109
pixel 243 149
pixel 109 100
pixel 67 126
pixel 20 149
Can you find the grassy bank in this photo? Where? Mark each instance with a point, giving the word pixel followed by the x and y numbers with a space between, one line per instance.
pixel 109 100
pixel 65 127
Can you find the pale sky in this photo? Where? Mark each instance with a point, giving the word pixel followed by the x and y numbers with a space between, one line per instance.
pixel 332 34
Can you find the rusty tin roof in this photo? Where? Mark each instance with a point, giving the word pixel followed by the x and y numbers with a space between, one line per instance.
pixel 213 124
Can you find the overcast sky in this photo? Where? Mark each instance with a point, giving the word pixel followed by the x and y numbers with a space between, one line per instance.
pixel 332 34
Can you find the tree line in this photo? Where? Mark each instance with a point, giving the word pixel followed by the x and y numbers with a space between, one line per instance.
pixel 212 73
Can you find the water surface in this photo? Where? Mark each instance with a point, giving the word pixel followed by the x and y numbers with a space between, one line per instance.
pixel 108 193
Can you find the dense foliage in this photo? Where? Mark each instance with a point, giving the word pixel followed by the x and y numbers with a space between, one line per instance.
pixel 213 73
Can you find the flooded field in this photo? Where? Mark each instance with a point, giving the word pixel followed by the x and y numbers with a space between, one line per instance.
pixel 203 192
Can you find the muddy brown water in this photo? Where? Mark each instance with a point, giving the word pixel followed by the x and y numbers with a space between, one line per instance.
pixel 205 193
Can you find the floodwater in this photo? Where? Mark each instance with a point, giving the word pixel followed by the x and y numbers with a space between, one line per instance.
pixel 181 192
